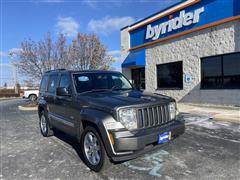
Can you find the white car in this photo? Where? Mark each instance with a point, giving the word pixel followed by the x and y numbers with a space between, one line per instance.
pixel 31 94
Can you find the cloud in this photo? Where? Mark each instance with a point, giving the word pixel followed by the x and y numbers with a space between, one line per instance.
pixel 14 51
pixel 116 54
pixel 109 24
pixel 67 25
pixel 3 54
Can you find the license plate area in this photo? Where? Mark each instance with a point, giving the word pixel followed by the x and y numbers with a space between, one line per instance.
pixel 164 137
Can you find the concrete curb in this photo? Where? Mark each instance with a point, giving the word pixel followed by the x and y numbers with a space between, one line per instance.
pixel 27 108
pixel 229 114
pixel 10 98
pixel 211 106
pixel 227 119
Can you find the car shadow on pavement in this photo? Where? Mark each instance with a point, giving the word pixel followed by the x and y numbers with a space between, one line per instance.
pixel 71 141
pixel 76 146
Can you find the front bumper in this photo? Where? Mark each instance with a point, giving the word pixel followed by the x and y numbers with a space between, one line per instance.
pixel 129 145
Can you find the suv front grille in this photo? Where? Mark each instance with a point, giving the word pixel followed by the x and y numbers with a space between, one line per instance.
pixel 153 116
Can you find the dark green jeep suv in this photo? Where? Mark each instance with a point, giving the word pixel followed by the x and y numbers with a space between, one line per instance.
pixel 110 119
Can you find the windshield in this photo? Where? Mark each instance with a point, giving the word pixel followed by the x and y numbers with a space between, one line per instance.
pixel 85 82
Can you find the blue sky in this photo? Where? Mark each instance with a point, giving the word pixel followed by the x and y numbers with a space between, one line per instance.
pixel 33 19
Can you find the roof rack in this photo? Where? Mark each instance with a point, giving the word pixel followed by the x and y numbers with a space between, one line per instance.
pixel 55 70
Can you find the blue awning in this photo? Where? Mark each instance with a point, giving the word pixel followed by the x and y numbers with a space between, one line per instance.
pixel 135 58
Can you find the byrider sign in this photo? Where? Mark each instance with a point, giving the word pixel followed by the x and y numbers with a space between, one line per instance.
pixel 188 18
pixel 184 19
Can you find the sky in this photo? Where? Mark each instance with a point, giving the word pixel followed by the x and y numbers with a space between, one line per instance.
pixel 33 19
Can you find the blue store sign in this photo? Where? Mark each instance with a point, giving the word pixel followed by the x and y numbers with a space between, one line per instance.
pixel 199 14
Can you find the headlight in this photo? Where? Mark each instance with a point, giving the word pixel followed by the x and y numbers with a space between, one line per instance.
pixel 172 110
pixel 128 117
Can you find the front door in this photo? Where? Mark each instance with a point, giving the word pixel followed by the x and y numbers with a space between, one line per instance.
pixel 138 77
pixel 65 112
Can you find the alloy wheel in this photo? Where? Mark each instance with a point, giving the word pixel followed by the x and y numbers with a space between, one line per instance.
pixel 43 124
pixel 92 148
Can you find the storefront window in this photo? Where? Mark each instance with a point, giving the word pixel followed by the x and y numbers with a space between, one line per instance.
pixel 170 76
pixel 221 72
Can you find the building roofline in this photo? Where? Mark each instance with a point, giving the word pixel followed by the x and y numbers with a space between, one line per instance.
pixel 152 15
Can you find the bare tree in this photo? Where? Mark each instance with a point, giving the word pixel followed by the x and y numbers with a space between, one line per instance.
pixel 85 52
pixel 30 84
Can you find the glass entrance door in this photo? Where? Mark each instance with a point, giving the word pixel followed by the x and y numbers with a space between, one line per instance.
pixel 138 77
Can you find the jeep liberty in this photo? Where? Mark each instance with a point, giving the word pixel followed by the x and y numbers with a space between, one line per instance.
pixel 112 121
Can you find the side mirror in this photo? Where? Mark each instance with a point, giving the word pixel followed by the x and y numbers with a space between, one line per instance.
pixel 62 91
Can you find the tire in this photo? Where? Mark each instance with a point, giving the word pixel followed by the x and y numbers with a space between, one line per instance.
pixel 103 163
pixel 33 97
pixel 45 129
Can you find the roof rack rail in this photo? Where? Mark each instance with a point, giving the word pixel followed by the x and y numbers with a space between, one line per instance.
pixel 55 70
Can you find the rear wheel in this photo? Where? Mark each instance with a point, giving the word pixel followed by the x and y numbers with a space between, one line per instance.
pixel 33 97
pixel 93 150
pixel 45 129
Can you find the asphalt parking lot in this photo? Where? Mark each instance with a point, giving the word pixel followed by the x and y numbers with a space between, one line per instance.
pixel 208 150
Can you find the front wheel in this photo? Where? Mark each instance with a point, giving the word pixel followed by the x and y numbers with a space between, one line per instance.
pixel 93 150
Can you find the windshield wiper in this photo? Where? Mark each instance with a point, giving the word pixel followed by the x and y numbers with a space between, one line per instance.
pixel 102 90
pixel 95 90
pixel 115 88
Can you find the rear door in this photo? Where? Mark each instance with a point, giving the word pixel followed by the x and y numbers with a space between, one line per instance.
pixel 43 87
pixel 50 96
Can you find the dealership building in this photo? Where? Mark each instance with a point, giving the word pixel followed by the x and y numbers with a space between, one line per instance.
pixel 190 51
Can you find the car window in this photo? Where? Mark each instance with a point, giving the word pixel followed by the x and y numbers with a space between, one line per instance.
pixel 120 82
pixel 101 81
pixel 98 81
pixel 44 82
pixel 83 83
pixel 52 83
pixel 65 81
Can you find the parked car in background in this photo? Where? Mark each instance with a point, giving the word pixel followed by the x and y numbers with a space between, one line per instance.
pixel 31 94
pixel 110 119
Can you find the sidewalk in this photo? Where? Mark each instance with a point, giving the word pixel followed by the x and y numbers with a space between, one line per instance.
pixel 222 113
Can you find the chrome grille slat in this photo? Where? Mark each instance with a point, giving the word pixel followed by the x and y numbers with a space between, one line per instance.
pixel 165 114
pixel 145 119
pixel 150 115
pixel 159 115
pixel 140 118
pixel 162 114
pixel 153 116
pixel 168 114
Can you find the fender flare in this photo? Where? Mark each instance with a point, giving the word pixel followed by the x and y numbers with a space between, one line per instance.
pixel 97 118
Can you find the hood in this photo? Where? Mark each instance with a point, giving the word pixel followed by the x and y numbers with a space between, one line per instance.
pixel 116 99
